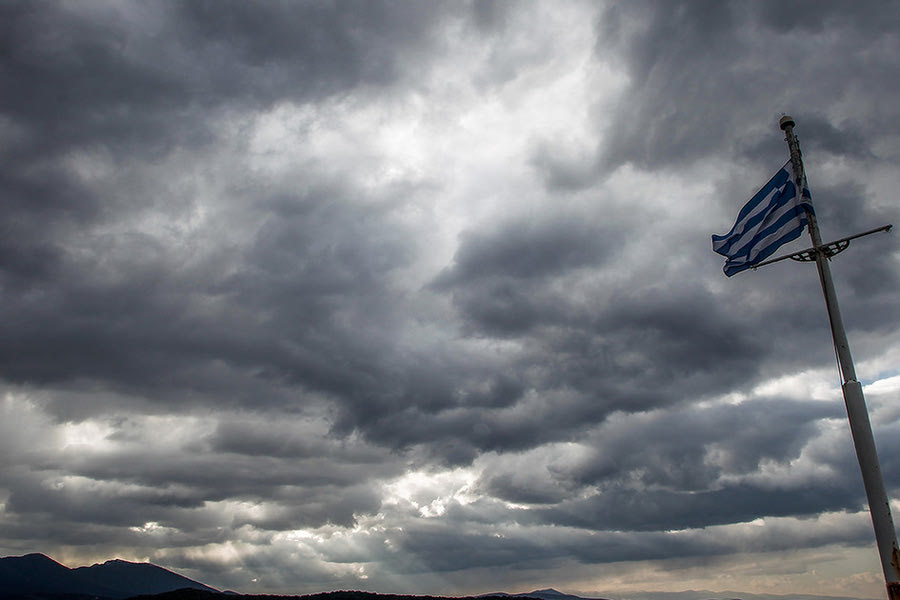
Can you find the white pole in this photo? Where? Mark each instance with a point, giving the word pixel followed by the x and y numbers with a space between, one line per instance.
pixel 858 415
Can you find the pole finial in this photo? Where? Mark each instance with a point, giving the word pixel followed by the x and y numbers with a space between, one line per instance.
pixel 786 122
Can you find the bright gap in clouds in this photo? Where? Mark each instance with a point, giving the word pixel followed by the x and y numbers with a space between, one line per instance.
pixel 467 150
pixel 430 492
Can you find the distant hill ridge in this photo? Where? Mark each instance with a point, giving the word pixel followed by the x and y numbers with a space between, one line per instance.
pixel 39 576
pixel 548 594
pixel 188 594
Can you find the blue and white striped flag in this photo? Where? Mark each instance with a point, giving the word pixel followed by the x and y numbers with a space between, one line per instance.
pixel 773 217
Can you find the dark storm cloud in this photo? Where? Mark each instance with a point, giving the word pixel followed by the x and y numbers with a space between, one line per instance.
pixel 91 502
pixel 682 470
pixel 439 548
pixel 296 310
pixel 134 84
pixel 702 74
pixel 661 510
pixel 562 169
pixel 625 349
pixel 323 505
pixel 316 274
pixel 111 496
pixel 424 543
pixel 683 335
pixel 632 350
pixel 499 278
pixel 820 138
pixel 139 78
pixel 687 450
pixel 529 250
pixel 268 439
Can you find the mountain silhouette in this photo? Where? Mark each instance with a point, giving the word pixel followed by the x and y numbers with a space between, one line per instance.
pixel 190 594
pixel 547 594
pixel 39 576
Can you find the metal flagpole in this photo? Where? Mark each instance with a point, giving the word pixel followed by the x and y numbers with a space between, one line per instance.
pixel 858 415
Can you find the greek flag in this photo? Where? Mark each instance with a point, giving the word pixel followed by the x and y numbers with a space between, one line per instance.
pixel 773 217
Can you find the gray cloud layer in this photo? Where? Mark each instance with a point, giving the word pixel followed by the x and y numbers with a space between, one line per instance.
pixel 420 297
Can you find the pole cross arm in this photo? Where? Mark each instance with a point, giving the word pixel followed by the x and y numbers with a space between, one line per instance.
pixel 827 250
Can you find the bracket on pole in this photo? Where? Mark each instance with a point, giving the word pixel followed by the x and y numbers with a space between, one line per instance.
pixel 828 250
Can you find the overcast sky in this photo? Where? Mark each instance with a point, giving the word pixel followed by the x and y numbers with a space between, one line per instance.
pixel 419 297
